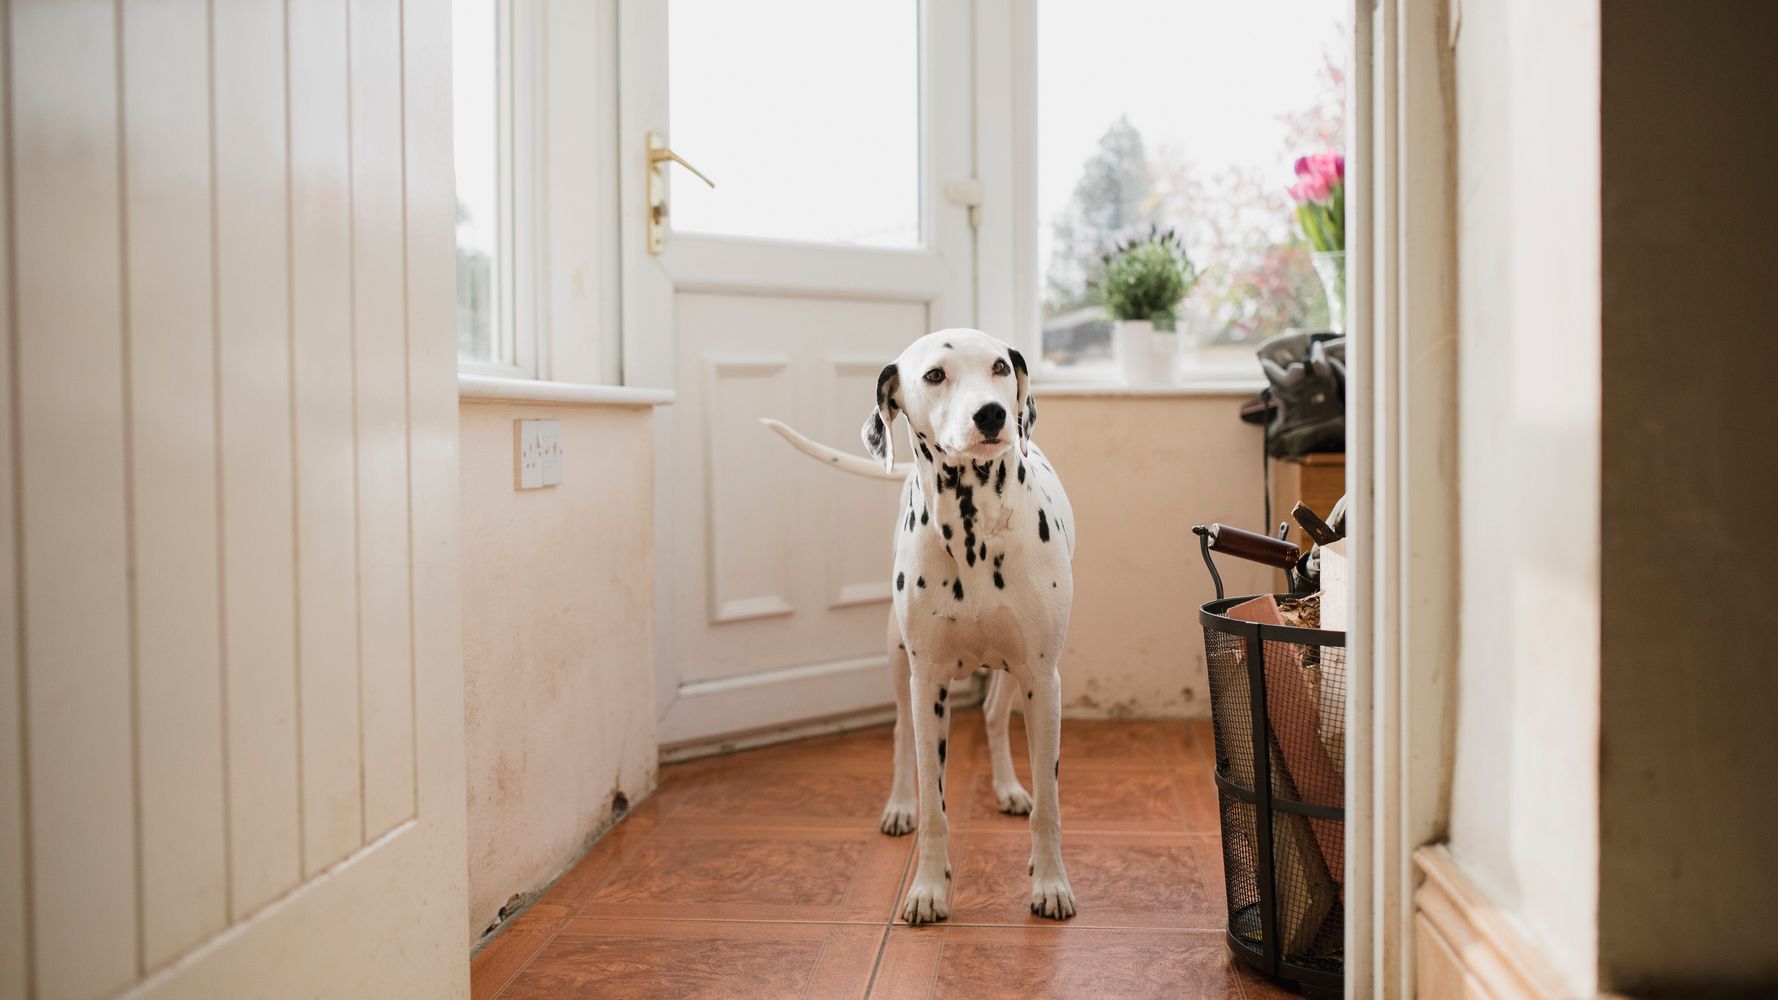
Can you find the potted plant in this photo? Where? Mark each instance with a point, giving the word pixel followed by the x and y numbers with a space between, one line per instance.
pixel 1140 286
pixel 1320 196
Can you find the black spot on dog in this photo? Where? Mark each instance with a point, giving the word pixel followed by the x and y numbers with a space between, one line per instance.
pixel 925 451
pixel 920 582
pixel 1031 870
pixel 1058 767
pixel 984 552
pixel 1021 472
pixel 947 870
pixel 938 709
pixel 943 693
pixel 999 581
pixel 948 552
pixel 959 664
pixel 941 752
pixel 970 552
pixel 997 560
pixel 982 472
pixel 901 646
pixel 910 518
pixel 900 579
pixel 941 805
pixel 1052 584
pixel 1043 526
pixel 1028 696
pixel 1000 478
pixel 957 588
pixel 948 347
pixel 944 528
pixel 925 516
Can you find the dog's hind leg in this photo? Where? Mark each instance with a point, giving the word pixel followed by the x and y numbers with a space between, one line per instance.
pixel 1009 795
pixel 1051 895
pixel 898 813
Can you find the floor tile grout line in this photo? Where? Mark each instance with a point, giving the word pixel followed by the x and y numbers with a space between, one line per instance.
pixel 889 924
pixel 526 964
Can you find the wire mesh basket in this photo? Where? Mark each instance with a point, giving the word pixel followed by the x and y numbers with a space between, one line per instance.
pixel 1278 707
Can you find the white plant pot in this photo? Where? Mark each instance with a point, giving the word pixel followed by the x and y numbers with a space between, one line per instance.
pixel 1144 354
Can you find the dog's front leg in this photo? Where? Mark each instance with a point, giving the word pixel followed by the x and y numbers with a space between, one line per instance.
pixel 928 898
pixel 1051 895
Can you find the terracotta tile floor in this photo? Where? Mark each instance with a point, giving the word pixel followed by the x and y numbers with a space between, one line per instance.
pixel 762 874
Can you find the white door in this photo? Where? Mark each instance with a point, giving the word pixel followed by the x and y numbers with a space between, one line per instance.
pixel 831 132
pixel 230 682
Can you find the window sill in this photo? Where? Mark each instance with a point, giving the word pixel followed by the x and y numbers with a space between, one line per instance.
pixel 1092 390
pixel 496 389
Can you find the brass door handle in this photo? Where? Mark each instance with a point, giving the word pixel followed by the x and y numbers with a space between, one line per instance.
pixel 659 155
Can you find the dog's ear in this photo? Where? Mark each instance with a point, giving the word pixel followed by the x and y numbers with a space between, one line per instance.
pixel 1023 404
pixel 878 427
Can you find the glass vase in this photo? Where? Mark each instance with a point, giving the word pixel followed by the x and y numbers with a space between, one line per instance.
pixel 1330 266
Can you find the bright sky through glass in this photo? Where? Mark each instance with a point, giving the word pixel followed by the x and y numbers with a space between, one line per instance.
pixel 804 112
pixel 1207 78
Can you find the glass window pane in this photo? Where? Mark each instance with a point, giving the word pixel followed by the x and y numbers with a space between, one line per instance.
pixel 1187 114
pixel 804 112
pixel 476 68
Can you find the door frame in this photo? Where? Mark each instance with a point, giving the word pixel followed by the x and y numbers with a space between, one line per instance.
pixel 1402 404
pixel 701 263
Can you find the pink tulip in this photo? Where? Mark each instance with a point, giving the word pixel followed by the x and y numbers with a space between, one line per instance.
pixel 1302 166
pixel 1316 188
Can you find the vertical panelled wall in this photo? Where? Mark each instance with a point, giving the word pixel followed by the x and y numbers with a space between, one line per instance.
pixel 207 673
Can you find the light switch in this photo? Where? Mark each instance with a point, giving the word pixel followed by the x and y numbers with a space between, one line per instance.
pixel 539 453
pixel 552 452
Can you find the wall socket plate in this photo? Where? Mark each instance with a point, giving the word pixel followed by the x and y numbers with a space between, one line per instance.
pixel 539 453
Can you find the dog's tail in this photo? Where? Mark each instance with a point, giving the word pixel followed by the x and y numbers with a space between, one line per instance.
pixel 855 464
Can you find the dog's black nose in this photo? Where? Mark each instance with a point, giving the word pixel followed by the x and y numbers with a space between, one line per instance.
pixel 990 419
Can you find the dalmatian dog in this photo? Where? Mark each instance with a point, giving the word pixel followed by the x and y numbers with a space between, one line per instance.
pixel 982 580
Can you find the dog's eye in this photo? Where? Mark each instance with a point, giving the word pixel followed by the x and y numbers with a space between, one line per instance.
pixel 1001 367
pixel 935 376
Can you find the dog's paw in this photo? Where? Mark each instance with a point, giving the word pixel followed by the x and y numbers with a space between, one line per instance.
pixel 925 902
pixel 1052 898
pixel 1013 800
pixel 898 819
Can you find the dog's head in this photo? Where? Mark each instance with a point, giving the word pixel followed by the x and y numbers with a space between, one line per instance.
pixel 962 390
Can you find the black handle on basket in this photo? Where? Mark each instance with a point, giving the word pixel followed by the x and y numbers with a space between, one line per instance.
pixel 1244 545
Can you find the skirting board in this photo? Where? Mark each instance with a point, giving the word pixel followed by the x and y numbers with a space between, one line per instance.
pixel 1465 948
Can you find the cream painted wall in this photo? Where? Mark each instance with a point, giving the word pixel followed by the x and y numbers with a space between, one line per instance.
pixel 1525 790
pixel 558 644
pixel 1140 472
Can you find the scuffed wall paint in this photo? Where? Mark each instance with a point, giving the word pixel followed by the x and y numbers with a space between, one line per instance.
pixel 1140 472
pixel 558 643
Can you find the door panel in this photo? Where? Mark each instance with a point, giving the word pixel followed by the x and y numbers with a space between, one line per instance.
pixel 258 545
pixel 172 469
pixel 785 538
pixel 772 613
pixel 236 415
